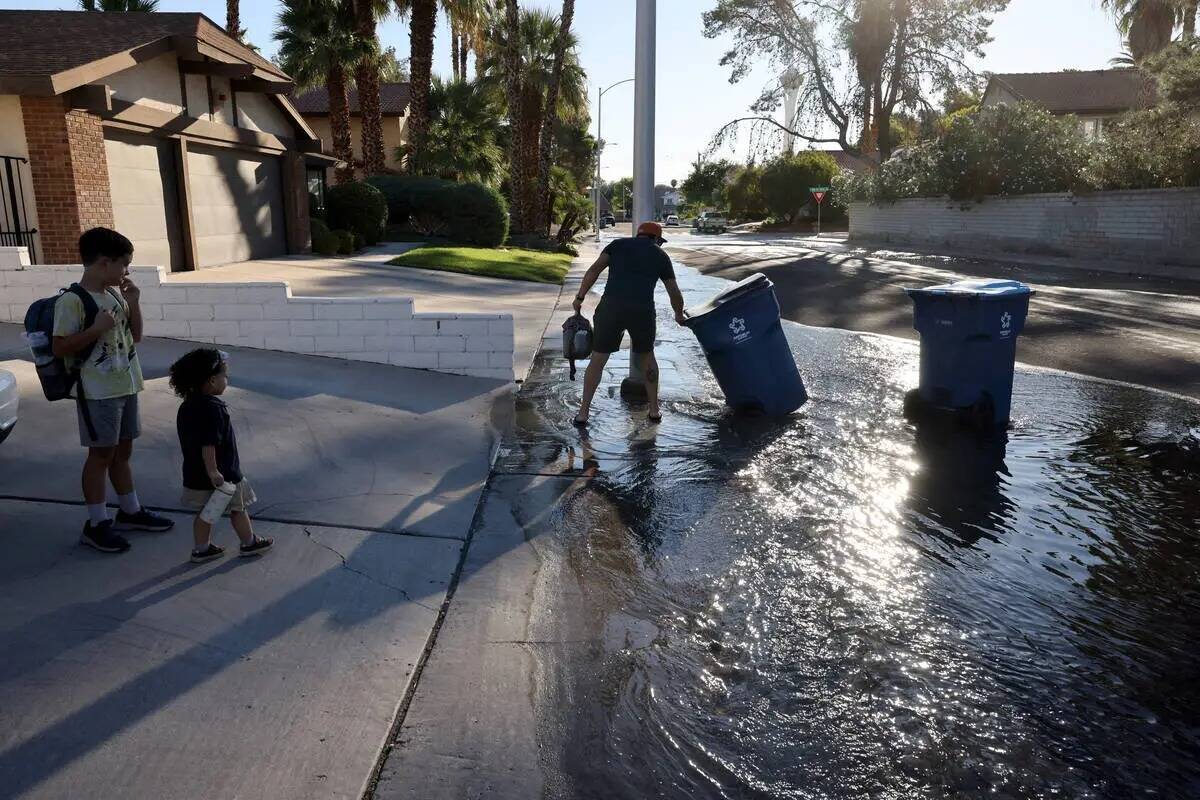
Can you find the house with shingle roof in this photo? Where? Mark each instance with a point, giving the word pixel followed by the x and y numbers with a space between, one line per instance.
pixel 159 125
pixel 394 98
pixel 1094 96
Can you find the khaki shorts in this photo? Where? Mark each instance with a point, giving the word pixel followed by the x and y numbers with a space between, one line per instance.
pixel 243 498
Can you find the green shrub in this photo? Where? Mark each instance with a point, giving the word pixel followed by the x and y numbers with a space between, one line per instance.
pixel 359 207
pixel 1155 149
pixel 345 242
pixel 785 183
pixel 1013 149
pixel 1000 150
pixel 412 200
pixel 324 241
pixel 463 212
pixel 477 215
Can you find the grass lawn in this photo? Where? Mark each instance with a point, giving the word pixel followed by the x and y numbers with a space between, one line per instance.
pixel 510 263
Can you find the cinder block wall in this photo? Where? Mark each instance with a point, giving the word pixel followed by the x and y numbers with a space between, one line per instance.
pixel 1155 225
pixel 383 330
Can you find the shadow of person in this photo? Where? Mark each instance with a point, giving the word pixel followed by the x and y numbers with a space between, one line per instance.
pixel 959 491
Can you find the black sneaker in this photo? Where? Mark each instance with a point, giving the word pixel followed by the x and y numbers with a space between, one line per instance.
pixel 210 553
pixel 143 520
pixel 256 548
pixel 102 538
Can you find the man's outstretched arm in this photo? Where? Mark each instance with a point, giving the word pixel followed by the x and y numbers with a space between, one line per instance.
pixel 589 280
pixel 676 298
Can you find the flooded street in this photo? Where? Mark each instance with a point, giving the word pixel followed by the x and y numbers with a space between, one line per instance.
pixel 840 604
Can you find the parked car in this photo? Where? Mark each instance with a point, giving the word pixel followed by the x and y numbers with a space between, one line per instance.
pixel 8 403
pixel 672 221
pixel 711 222
pixel 607 220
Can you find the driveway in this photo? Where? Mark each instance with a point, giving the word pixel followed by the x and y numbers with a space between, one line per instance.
pixel 369 274
pixel 142 675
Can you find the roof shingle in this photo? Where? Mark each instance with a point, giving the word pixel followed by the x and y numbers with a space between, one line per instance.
pixel 44 43
pixel 393 100
pixel 1092 91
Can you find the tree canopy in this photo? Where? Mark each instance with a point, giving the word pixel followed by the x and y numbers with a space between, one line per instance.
pixel 706 182
pixel 856 61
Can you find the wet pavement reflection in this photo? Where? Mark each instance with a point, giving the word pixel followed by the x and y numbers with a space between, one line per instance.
pixel 841 604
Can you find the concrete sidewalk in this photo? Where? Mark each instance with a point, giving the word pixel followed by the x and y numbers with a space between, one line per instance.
pixel 141 675
pixel 368 273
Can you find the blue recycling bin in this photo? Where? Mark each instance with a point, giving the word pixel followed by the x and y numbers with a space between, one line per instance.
pixel 744 343
pixel 969 336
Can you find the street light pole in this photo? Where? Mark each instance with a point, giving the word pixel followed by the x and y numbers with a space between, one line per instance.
pixel 643 113
pixel 600 145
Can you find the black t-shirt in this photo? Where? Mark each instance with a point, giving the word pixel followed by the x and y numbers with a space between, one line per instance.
pixel 635 265
pixel 203 421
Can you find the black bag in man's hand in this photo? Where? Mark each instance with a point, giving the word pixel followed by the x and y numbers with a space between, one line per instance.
pixel 577 340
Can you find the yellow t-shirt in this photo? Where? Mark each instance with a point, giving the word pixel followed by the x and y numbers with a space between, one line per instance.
pixel 112 370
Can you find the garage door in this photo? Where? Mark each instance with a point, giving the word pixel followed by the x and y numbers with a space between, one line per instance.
pixel 145 196
pixel 237 205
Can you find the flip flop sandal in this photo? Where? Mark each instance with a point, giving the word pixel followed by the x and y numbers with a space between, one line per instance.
pixel 580 423
pixel 655 418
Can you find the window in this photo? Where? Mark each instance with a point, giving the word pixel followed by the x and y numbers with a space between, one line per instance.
pixel 316 191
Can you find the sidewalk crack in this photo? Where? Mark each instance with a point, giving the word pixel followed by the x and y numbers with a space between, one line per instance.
pixel 371 578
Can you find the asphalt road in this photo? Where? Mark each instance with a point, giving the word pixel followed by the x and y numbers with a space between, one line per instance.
pixel 1109 325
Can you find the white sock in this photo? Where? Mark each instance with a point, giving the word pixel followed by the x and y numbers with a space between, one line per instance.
pixel 97 513
pixel 129 502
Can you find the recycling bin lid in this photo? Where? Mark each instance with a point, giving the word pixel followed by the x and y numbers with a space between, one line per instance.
pixel 755 283
pixel 976 288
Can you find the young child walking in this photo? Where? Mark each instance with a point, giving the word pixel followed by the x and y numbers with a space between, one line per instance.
pixel 210 453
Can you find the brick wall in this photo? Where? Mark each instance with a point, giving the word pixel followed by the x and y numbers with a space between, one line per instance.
pixel 70 174
pixel 1151 226
pixel 384 330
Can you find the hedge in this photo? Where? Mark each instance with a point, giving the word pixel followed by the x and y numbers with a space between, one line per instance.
pixel 468 212
pixel 359 207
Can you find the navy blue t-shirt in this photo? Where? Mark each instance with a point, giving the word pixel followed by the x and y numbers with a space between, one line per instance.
pixel 203 421
pixel 635 266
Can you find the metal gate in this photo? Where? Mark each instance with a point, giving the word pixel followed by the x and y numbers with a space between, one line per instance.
pixel 15 230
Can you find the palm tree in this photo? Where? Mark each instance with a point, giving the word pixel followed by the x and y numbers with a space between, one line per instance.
pixel 233 21
pixel 422 27
pixel 366 78
pixel 870 37
pixel 119 5
pixel 467 19
pixel 464 132
pixel 523 63
pixel 318 45
pixel 562 42
pixel 1147 25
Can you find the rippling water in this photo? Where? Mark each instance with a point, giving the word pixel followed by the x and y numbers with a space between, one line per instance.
pixel 844 605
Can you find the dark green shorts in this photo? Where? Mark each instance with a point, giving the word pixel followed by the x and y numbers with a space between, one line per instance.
pixel 611 324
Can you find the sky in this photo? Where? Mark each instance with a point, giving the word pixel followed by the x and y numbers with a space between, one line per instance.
pixel 694 96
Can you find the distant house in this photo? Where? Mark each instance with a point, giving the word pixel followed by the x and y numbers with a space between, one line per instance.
pixel 394 98
pixel 666 200
pixel 159 125
pixel 1094 96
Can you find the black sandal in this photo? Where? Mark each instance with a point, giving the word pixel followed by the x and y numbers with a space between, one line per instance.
pixel 580 423
pixel 655 418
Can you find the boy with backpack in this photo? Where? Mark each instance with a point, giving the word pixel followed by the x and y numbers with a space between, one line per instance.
pixel 97 323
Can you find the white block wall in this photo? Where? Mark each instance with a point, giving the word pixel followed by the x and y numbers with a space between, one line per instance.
pixel 1154 225
pixel 383 330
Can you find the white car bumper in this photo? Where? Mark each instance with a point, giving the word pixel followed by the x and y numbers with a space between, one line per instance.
pixel 9 400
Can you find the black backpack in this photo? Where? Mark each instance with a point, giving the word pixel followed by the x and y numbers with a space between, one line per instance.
pixel 57 379
pixel 577 340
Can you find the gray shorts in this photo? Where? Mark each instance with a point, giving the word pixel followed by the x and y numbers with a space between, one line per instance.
pixel 114 419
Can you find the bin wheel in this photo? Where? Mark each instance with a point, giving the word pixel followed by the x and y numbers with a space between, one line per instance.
pixel 983 413
pixel 913 404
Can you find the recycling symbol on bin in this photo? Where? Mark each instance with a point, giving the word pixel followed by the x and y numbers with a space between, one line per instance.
pixel 1006 320
pixel 738 326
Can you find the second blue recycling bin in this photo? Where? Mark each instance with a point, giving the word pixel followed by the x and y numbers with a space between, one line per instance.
pixel 969 335
pixel 744 343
